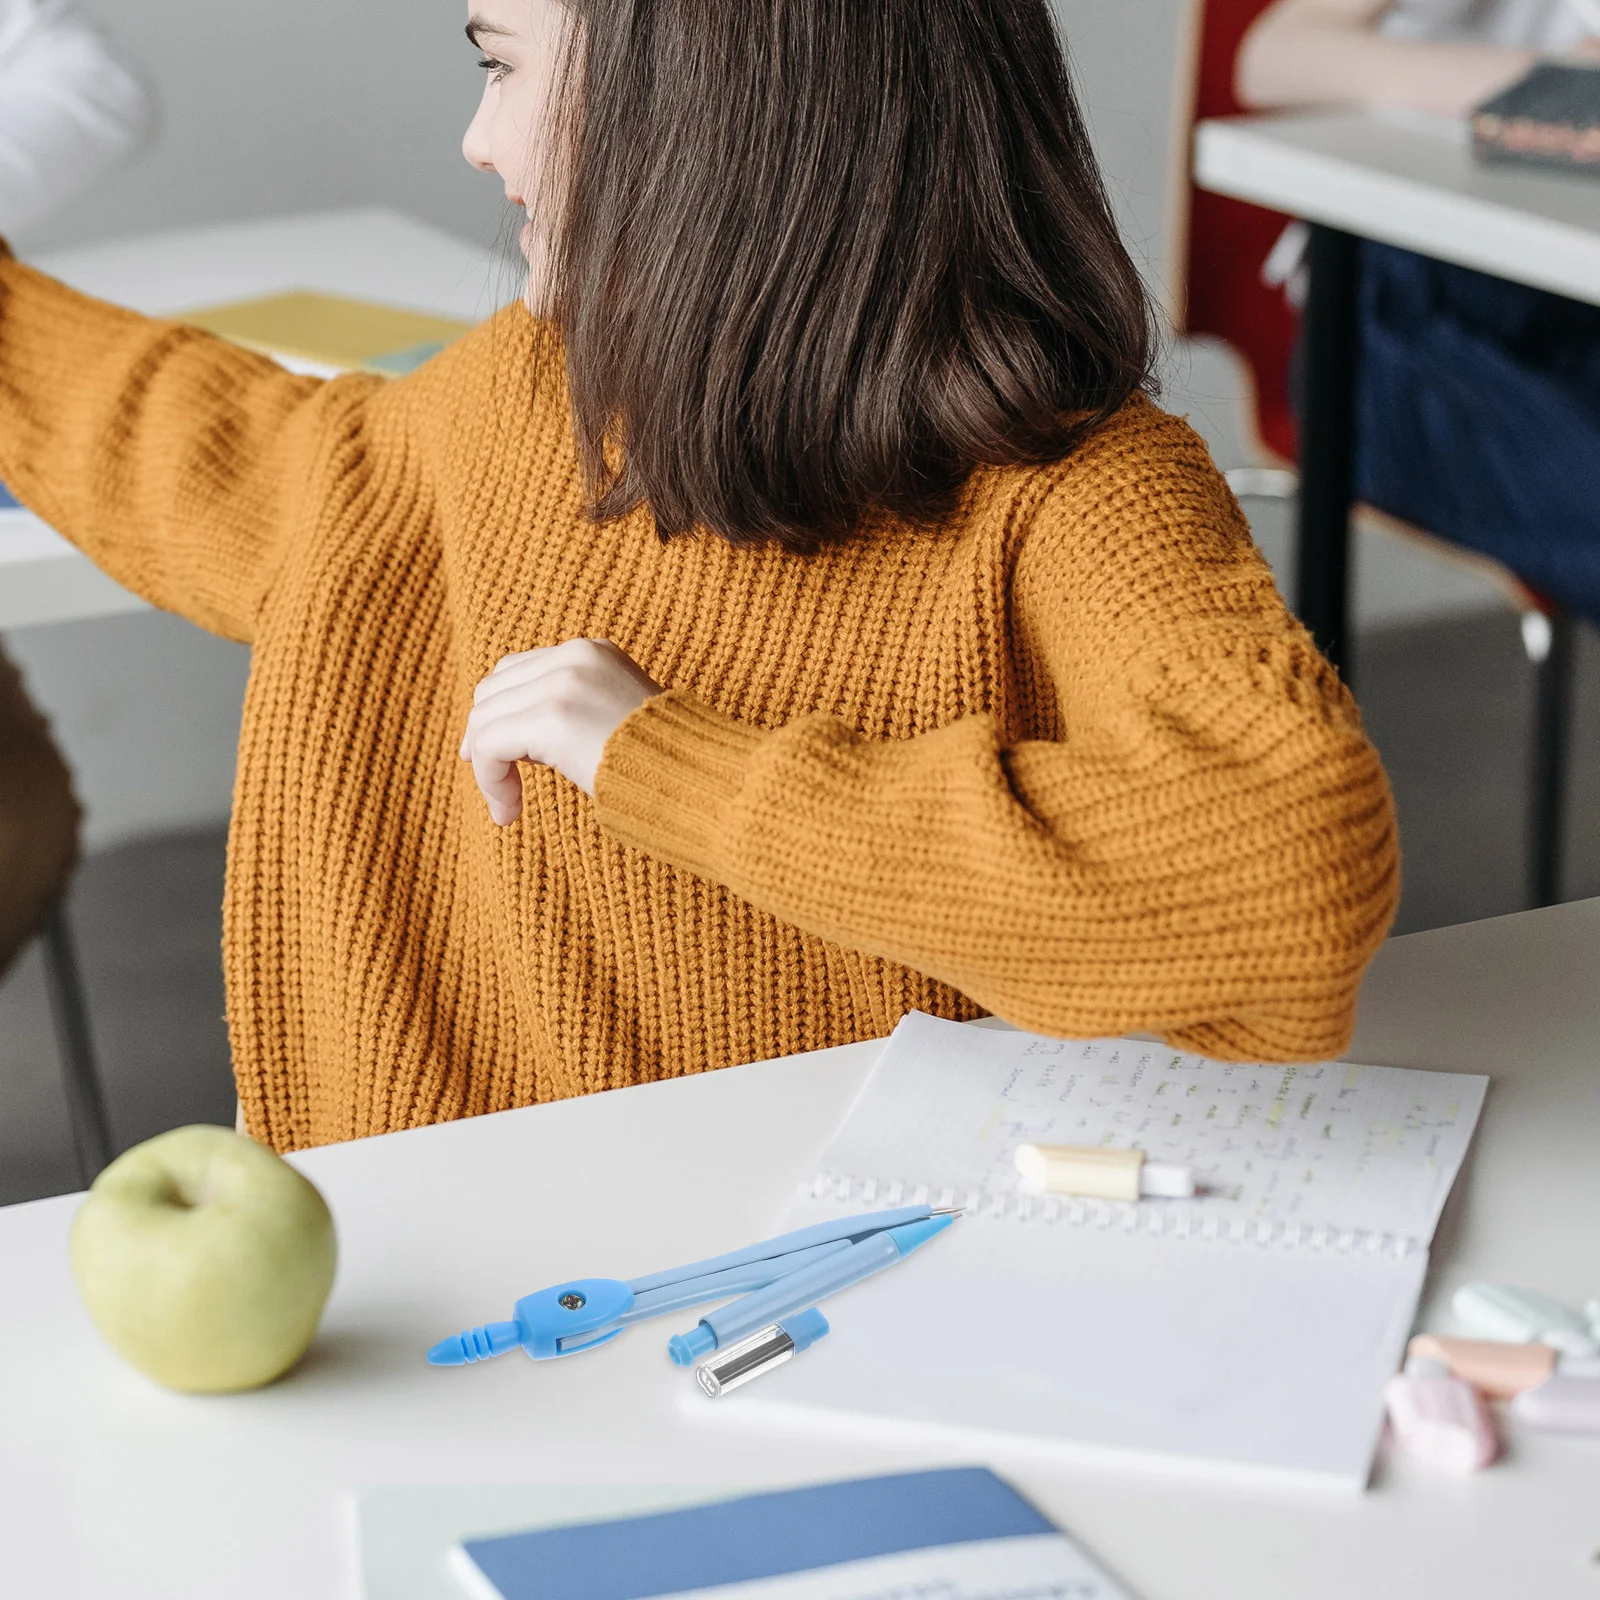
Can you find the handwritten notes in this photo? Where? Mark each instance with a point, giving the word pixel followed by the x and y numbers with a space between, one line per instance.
pixel 1329 1145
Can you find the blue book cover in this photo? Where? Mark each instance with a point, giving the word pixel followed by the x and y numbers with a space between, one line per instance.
pixel 957 1532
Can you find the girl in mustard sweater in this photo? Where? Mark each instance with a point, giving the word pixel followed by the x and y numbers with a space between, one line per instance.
pixel 792 614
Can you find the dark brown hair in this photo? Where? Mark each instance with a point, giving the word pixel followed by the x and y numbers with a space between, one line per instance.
pixel 820 257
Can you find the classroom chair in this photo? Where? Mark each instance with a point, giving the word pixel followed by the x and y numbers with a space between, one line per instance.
pixel 80 1079
pixel 1222 293
pixel 38 844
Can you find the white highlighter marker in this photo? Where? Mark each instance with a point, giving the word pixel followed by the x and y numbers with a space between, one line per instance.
pixel 1101 1174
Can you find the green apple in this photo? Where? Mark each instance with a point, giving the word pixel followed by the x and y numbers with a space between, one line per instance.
pixel 204 1260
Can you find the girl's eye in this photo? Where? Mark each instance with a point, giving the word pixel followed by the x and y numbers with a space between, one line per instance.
pixel 496 69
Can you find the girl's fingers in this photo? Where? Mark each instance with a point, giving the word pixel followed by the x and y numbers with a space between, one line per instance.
pixel 551 706
pixel 529 665
pixel 494 753
pixel 494 746
pixel 516 694
pixel 500 784
pixel 517 708
pixel 512 670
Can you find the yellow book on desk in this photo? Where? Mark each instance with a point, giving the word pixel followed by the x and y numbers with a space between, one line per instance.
pixel 331 331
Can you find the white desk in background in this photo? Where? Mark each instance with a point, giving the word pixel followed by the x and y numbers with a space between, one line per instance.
pixel 1416 185
pixel 1410 184
pixel 109 1486
pixel 367 254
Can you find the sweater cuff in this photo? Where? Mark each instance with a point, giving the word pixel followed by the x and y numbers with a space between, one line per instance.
pixel 669 776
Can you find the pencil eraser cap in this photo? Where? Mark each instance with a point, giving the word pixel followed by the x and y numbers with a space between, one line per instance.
pixel 687 1348
pixel 805 1328
pixel 1166 1180
pixel 1500 1369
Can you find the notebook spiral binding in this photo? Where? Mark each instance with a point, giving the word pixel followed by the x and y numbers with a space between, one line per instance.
pixel 1176 1218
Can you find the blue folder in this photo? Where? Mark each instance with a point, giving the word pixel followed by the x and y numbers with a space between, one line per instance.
pixel 759 1536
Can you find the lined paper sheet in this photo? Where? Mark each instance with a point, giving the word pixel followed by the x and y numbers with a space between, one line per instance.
pixel 1200 1354
pixel 1331 1146
pixel 1250 1330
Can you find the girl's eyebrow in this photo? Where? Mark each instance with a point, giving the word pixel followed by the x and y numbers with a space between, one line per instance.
pixel 480 28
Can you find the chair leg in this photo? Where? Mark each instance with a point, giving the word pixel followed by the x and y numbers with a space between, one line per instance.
pixel 91 1130
pixel 1547 797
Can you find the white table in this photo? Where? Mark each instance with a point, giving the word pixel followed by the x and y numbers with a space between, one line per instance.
pixel 111 1486
pixel 1356 175
pixel 1411 185
pixel 366 254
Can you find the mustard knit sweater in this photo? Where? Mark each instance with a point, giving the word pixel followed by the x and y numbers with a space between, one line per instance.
pixel 1068 760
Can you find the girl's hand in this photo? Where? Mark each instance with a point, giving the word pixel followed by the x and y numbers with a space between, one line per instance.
pixel 556 706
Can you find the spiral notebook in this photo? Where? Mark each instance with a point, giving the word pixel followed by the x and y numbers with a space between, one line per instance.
pixel 1248 1330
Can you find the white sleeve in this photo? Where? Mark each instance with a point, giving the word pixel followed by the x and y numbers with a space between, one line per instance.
pixel 69 110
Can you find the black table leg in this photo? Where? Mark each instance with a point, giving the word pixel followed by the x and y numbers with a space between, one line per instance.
pixel 1327 443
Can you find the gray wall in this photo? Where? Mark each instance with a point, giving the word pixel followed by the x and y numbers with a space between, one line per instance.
pixel 294 105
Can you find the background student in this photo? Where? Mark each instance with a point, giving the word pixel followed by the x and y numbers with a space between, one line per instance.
pixel 1479 400
pixel 792 613
pixel 70 111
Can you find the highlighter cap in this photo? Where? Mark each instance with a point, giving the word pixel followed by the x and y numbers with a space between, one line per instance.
pixel 1071 1169
pixel 1561 1404
pixel 1500 1369
pixel 1439 1419
pixel 1501 1311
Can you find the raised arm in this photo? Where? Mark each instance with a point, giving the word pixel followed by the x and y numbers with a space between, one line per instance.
pixel 1200 842
pixel 1322 52
pixel 177 462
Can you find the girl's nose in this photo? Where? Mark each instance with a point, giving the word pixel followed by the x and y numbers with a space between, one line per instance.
pixel 474 143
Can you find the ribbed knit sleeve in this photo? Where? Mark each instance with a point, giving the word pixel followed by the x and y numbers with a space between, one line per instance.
pixel 1204 845
pixel 177 462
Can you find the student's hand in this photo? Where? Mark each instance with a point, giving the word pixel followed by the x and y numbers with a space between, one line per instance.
pixel 556 706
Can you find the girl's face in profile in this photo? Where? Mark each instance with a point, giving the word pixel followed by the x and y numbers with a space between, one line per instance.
pixel 521 43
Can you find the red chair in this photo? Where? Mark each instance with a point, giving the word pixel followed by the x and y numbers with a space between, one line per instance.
pixel 1222 293
pixel 1228 240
